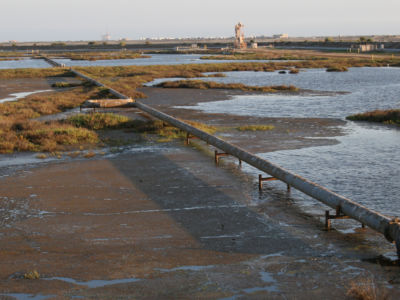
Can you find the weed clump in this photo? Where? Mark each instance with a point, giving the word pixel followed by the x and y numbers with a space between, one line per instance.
pixel 97 121
pixel 199 84
pixel 337 69
pixel 255 127
pixel 63 84
pixel 32 275
pixel 391 116
pixel 366 289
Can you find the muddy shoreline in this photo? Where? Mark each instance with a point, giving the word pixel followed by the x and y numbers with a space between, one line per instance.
pixel 160 220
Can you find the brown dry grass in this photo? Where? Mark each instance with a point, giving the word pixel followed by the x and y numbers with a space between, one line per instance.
pixel 391 116
pixel 92 56
pixel 366 289
pixel 19 132
pixel 34 73
pixel 199 84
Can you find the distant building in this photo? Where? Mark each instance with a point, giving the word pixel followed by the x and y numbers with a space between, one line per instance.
pixel 239 37
pixel 367 47
pixel 253 45
pixel 281 36
pixel 106 37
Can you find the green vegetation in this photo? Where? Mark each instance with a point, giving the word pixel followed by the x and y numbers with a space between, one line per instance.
pixel 11 54
pixel 98 121
pixel 255 128
pixel 38 136
pixel 18 132
pixel 272 55
pixel 199 84
pixel 391 116
pixel 32 275
pixel 64 84
pixel 92 56
pixel 128 79
pixel 34 73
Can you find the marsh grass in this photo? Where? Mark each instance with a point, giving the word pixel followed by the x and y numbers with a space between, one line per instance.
pixel 102 121
pixel 337 69
pixel 64 84
pixel 391 116
pixel 253 56
pixel 255 127
pixel 34 73
pixel 127 79
pixel 366 289
pixel 93 56
pixel 199 84
pixel 97 121
pixel 32 275
pixel 19 132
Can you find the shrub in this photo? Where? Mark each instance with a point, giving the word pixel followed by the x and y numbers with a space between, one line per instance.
pixel 98 121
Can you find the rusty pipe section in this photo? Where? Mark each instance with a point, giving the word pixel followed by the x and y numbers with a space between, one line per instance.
pixel 381 223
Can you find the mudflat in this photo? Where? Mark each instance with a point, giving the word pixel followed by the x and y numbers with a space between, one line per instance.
pixel 161 220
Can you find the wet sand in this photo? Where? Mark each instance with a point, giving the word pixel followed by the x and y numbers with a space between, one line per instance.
pixel 168 223
pixel 11 86
pixel 289 133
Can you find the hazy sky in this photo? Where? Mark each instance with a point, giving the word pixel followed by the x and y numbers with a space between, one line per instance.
pixel 45 20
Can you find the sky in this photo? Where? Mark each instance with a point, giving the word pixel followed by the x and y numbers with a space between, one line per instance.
pixel 74 20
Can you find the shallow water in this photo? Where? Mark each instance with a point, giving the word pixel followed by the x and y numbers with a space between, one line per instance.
pixel 364 167
pixel 16 96
pixel 24 63
pixel 20 296
pixel 368 89
pixel 155 59
pixel 95 283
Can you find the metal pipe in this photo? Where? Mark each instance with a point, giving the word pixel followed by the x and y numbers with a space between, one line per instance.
pixel 379 222
pixel 390 228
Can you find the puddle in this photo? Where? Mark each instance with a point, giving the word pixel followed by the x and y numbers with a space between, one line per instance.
pixel 185 268
pixel 16 96
pixel 261 289
pixel 28 296
pixel 94 283
pixel 267 277
pixel 166 210
pixel 382 261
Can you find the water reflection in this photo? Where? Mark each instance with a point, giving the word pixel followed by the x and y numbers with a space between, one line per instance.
pixel 364 167
pixel 23 63
pixel 155 59
pixel 369 89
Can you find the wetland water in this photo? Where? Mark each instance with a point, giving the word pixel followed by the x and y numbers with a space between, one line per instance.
pixel 24 63
pixel 365 165
pixel 155 59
